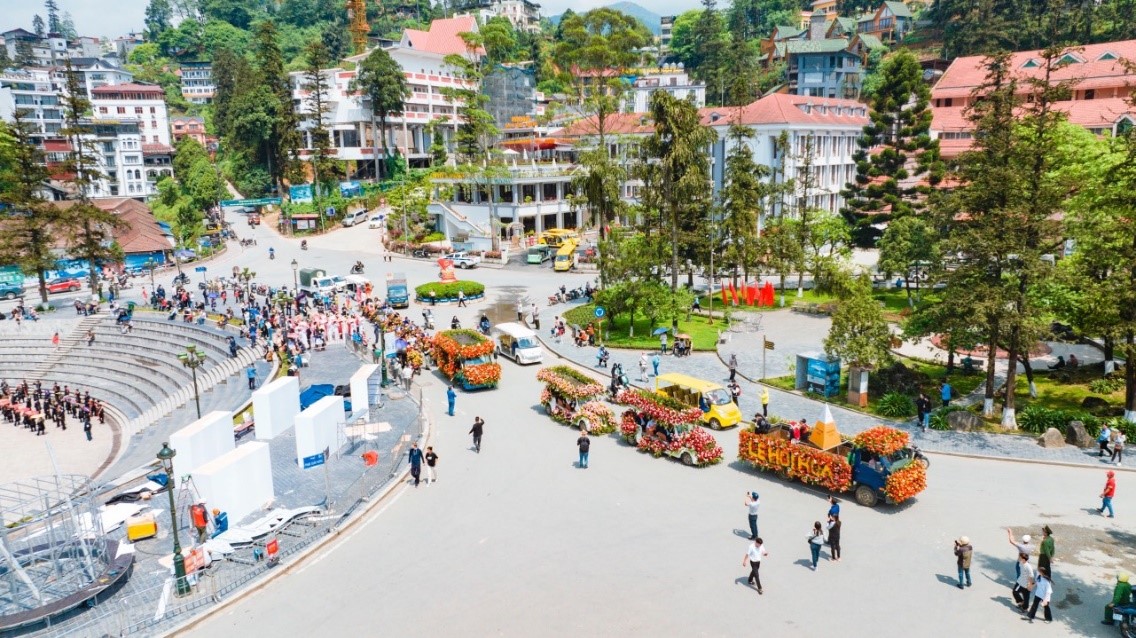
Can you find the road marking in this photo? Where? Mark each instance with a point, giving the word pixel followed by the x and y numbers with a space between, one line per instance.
pixel 345 539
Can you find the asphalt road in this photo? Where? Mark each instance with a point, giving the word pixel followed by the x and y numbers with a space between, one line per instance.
pixel 517 541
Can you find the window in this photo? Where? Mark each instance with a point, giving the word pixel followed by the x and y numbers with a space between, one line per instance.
pixel 138 109
pixel 1107 55
pixel 153 109
pixel 1090 94
pixel 103 110
pixel 155 139
pixel 153 123
pixel 1031 64
pixel 122 110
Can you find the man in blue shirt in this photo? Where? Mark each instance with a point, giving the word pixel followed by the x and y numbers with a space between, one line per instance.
pixel 945 392
pixel 251 373
pixel 834 506
pixel 415 463
pixel 451 396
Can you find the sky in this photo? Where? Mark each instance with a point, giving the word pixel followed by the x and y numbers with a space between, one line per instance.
pixel 118 17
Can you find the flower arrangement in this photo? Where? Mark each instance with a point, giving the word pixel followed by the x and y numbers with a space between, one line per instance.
pixel 906 482
pixel 567 383
pixel 661 408
pixel 881 440
pixel 601 420
pixel 484 375
pixel 452 347
pixel 796 461
pixel 627 425
pixel 694 439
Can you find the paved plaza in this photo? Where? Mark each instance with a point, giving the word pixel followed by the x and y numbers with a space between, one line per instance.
pixel 518 541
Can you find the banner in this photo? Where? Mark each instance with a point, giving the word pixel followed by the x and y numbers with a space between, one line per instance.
pixel 300 194
pixel 350 189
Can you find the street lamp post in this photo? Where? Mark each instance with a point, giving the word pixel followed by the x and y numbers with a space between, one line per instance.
pixel 295 270
pixel 383 363
pixel 193 358
pixel 166 457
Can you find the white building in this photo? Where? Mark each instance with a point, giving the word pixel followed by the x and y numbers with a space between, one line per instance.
pixel 197 82
pixel 671 78
pixel 143 103
pixel 95 73
pixel 820 132
pixel 36 91
pixel 117 147
pixel 421 55
pixel 123 45
pixel 523 14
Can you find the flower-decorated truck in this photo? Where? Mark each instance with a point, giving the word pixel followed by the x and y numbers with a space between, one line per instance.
pixel 875 465
pixel 466 357
pixel 573 398
pixel 664 426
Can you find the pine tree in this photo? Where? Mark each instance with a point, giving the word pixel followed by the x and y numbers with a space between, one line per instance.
pixel 744 198
pixel 475 125
pixel 67 26
pixel 316 112
pixel 38 27
pixel 52 8
pixel 383 85
pixel 90 228
pixel 285 139
pixel 25 57
pixel 710 62
pixel 31 229
pixel 895 149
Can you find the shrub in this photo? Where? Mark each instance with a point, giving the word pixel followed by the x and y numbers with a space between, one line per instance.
pixel 449 290
pixel 492 254
pixel 433 237
pixel 939 417
pixel 897 378
pixel 1037 419
pixel 1107 385
pixel 895 404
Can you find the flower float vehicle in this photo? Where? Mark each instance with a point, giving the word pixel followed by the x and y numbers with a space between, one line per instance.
pixel 664 426
pixel 875 465
pixel 466 358
pixel 572 398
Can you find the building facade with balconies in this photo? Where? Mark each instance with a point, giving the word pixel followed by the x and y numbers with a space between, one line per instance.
pixel 143 103
pixel 37 93
pixel 197 82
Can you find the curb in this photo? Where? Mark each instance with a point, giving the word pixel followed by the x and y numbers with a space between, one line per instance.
pixel 300 559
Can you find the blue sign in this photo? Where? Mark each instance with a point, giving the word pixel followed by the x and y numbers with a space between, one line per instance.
pixel 300 194
pixel 315 460
pixel 263 201
pixel 600 312
pixel 199 269
pixel 330 212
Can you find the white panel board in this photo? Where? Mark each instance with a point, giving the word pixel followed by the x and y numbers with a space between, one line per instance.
pixel 239 482
pixel 360 390
pixel 275 406
pixel 317 428
pixel 202 441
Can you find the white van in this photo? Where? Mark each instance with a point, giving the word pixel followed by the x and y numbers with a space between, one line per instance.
pixel 378 219
pixel 517 343
pixel 355 218
pixel 355 283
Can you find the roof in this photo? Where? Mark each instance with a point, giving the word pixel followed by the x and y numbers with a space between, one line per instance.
pixel 140 232
pixel 967 73
pixel 442 38
pixel 688 381
pixel 615 124
pixel 783 108
pixel 848 25
pixel 784 31
pixel 187 118
pixel 898 9
pixel 128 88
pixel 870 41
pixel 156 149
pixel 827 45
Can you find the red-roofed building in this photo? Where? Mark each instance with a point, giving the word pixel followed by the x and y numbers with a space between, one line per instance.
pixel 443 37
pixel 141 103
pixel 1100 82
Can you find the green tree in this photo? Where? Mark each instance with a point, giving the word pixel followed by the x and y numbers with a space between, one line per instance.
pixel 30 231
pixel 910 247
pixel 25 57
pixel 159 15
pixel 684 43
pixel 594 49
pixel 744 197
pixel 186 42
pixel 597 186
pixel 859 333
pixel 317 108
pixel 780 249
pixel 5 61
pixel 284 142
pixel 38 26
pixel 384 89
pixel 476 128
pixel 90 229
pixel 53 24
pixel 501 43
pixel 895 149
pixel 710 57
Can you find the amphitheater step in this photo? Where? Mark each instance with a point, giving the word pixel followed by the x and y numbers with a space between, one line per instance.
pixel 66 344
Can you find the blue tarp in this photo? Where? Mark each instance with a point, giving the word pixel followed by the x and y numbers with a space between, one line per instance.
pixel 314 393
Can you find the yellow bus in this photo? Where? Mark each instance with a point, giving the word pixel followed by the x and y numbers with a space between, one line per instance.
pixel 718 407
pixel 556 237
pixel 565 257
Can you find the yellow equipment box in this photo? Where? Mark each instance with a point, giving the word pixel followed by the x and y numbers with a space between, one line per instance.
pixel 141 526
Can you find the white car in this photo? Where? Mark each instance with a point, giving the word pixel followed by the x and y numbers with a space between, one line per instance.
pixel 464 260
pixel 378 220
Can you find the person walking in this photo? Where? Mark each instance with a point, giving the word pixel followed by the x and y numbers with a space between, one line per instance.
pixel 1103 440
pixel 431 463
pixel 1042 592
pixel 1121 597
pixel 1023 547
pixel 1023 583
pixel 945 392
pixel 765 402
pixel 753 504
pixel 585 445
pixel 643 368
pixel 536 317
pixel 407 374
pixel 733 365
pixel 451 397
pixel 753 557
pixel 461 299
pixel 520 312
pixel 663 343
pixel 655 363
pixel 1045 552
pixel 55 339
pixel 477 430
pixel 923 408
pixel 816 539
pixel 415 457
pixel 963 553
pixel 1107 493
pixel 1118 441
pixel 834 537
pixel 90 338
pixel 251 374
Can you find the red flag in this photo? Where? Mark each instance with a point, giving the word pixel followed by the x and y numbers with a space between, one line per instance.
pixel 734 293
pixel 751 294
pixel 725 300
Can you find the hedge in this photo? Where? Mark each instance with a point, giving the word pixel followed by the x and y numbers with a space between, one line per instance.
pixel 449 290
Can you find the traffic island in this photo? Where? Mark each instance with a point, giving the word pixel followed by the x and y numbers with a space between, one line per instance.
pixel 437 292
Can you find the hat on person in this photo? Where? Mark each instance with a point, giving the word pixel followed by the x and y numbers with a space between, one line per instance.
pixel 1110 474
pixel 1026 538
pixel 1122 577
pixel 753 495
pixel 963 540
pixel 1048 532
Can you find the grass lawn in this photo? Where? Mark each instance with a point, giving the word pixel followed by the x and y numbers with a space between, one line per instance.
pixel 1060 394
pixel 894 301
pixel 703 334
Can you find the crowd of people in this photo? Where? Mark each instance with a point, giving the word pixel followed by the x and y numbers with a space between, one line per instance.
pixel 32 406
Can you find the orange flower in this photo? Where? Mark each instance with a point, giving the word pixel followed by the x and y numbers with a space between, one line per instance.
pixel 906 482
pixel 882 440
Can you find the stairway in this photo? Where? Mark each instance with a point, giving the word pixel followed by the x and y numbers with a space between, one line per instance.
pixel 66 344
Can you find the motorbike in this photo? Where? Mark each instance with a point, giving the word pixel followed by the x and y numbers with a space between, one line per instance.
pixel 248 242
pixel 428 320
pixel 483 326
pixel 420 253
pixel 304 245
pixel 602 357
pixel 1125 616
pixel 272 254
pixel 619 381
pixel 181 279
pixel 455 324
pixel 918 455
pixel 357 269
pixel 554 299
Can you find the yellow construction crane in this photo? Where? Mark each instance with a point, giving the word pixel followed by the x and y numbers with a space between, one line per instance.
pixel 357 13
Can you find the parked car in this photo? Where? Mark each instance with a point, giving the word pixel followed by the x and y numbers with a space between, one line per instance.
pixel 63 284
pixel 464 260
pixel 10 291
pixel 377 220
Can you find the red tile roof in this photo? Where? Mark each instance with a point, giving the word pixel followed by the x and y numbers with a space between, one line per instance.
pixel 140 234
pixel 967 73
pixel 782 108
pixel 615 124
pixel 156 149
pixel 442 38
pixel 128 88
